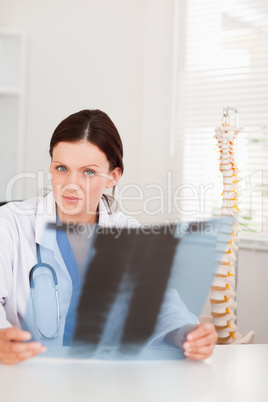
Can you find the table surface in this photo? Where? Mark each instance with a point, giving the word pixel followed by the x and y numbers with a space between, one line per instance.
pixel 233 373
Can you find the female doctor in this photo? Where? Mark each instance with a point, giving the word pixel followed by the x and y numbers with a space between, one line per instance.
pixel 86 158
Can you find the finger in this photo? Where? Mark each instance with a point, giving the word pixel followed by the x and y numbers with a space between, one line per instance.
pixel 17 347
pixel 14 359
pixel 204 341
pixel 202 354
pixel 200 331
pixel 205 350
pixel 9 361
pixel 30 354
pixel 14 334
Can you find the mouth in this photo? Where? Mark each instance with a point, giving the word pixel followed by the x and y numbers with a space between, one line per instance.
pixel 71 199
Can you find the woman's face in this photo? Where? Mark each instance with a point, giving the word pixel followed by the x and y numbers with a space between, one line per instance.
pixel 80 172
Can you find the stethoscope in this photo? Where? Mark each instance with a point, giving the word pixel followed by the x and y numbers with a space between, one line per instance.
pixel 39 265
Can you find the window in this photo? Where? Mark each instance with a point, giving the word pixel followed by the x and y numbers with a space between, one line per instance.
pixel 221 59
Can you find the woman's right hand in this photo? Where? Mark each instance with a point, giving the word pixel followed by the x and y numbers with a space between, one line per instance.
pixel 14 348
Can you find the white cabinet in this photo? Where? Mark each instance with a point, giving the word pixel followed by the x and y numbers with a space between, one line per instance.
pixel 12 113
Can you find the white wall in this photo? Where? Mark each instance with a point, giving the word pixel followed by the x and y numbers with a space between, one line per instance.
pixel 252 304
pixel 81 54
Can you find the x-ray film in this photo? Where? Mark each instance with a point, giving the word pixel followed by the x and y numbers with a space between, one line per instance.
pixel 124 288
pixel 140 284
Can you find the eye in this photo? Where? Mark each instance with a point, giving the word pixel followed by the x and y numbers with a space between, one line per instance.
pixel 90 173
pixel 61 168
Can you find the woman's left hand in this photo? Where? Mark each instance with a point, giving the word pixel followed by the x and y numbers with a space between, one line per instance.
pixel 200 342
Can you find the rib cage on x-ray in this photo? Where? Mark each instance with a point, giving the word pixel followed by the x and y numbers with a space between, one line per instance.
pixel 123 290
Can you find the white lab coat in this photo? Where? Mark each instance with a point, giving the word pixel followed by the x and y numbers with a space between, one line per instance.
pixel 22 225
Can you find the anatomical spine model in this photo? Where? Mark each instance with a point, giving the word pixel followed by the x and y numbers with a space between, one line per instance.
pixel 223 294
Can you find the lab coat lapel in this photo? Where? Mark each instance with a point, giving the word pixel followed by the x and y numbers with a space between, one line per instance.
pixel 46 215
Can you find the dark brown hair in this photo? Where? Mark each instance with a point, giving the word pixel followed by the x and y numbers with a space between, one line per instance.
pixel 96 127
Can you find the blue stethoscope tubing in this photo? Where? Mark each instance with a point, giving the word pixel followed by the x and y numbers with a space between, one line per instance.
pixel 40 264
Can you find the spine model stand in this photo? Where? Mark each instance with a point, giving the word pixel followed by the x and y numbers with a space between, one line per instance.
pixel 223 294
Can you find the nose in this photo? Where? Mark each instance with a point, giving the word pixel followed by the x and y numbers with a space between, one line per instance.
pixel 72 182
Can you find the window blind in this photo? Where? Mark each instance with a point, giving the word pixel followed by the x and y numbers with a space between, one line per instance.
pixel 220 59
